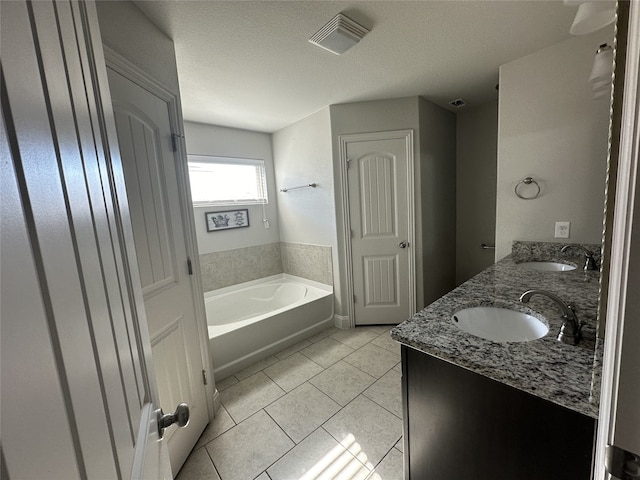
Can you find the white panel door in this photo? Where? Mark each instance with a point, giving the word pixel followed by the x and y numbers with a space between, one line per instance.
pixel 379 206
pixel 78 397
pixel 144 135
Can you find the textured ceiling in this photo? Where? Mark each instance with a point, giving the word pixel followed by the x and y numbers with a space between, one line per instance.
pixel 248 64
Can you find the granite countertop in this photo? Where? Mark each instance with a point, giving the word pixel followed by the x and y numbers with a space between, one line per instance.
pixel 566 375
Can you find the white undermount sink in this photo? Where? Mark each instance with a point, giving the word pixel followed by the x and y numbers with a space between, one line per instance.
pixel 546 266
pixel 499 324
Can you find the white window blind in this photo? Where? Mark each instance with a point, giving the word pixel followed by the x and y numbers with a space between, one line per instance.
pixel 227 180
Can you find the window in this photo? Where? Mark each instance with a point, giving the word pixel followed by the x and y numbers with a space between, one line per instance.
pixel 227 180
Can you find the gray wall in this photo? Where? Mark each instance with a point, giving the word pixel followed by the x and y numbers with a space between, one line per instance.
pixel 437 194
pixel 202 139
pixel 477 144
pixel 550 128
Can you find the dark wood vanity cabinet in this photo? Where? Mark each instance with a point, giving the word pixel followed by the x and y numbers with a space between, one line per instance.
pixel 459 425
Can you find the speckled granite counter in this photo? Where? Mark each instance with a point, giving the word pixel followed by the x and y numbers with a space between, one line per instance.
pixel 563 374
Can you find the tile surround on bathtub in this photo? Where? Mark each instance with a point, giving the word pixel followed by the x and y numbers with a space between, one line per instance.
pixel 312 262
pixel 230 267
pixel 239 265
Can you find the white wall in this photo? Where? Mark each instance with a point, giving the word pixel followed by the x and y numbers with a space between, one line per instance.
pixel 550 128
pixel 125 29
pixel 476 152
pixel 303 155
pixel 213 140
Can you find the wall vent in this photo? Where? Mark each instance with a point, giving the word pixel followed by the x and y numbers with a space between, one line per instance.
pixel 458 103
pixel 339 35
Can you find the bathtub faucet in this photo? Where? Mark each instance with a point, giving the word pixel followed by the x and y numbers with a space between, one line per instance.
pixel 571 330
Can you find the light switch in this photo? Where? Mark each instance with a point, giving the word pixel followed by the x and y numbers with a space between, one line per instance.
pixel 563 229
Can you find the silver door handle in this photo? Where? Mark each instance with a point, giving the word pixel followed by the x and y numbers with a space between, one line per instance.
pixel 180 417
pixel 403 244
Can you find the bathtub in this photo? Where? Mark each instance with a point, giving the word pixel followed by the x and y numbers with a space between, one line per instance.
pixel 252 320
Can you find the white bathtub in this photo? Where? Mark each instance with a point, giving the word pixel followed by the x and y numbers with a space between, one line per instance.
pixel 250 321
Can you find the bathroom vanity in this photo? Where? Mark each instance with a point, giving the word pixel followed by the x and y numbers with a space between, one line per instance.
pixel 480 409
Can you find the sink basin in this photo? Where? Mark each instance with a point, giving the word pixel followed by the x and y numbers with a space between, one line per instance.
pixel 546 266
pixel 499 324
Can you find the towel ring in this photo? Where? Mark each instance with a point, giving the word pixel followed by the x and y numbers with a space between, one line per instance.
pixel 527 181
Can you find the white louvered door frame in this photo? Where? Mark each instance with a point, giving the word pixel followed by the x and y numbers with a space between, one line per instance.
pixel 79 395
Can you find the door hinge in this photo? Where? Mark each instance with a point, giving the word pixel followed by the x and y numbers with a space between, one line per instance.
pixel 204 377
pixel 189 266
pixel 354 298
pixel 348 162
pixel 174 141
pixel 621 463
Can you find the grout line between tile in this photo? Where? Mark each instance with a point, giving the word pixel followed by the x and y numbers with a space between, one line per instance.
pixel 213 463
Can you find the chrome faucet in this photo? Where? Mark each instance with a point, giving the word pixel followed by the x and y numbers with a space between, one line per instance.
pixel 589 260
pixel 571 330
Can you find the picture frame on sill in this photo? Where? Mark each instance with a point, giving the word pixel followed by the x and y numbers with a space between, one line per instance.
pixel 227 219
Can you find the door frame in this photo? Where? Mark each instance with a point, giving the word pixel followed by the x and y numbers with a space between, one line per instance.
pixel 407 136
pixel 622 307
pixel 124 67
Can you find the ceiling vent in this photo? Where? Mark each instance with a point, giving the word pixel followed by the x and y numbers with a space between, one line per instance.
pixel 339 35
pixel 458 103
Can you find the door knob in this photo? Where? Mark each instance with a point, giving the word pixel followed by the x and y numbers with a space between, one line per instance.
pixel 179 417
pixel 403 244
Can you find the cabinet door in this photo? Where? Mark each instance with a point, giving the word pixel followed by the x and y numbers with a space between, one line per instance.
pixel 462 426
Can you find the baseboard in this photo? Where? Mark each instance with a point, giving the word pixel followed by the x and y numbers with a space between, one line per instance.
pixel 342 321
pixel 217 403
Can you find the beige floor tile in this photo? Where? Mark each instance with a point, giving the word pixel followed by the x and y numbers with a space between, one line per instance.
pixel 249 448
pixel 319 456
pixel 302 410
pixel 293 349
pixel 398 367
pixel 226 383
pixel 327 351
pixel 355 337
pixel 379 328
pixel 256 367
pixel 292 371
pixel 342 382
pixel 387 393
pixel 374 360
pixel 400 445
pixel 390 468
pixel 220 424
pixel 375 429
pixel 385 341
pixel 250 395
pixel 323 334
pixel 263 476
pixel 198 467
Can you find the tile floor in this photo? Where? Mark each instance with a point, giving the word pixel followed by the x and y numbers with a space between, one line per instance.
pixel 327 408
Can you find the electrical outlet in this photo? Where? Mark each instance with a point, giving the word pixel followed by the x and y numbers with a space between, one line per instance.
pixel 563 229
